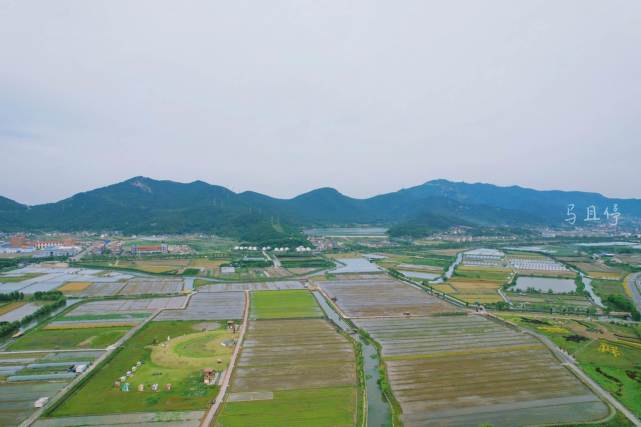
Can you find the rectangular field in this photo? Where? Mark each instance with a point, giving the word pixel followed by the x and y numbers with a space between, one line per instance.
pixel 170 353
pixel 292 373
pixel 209 306
pixel 128 305
pixel 259 286
pixel 382 297
pixel 64 339
pixel 467 370
pixel 283 305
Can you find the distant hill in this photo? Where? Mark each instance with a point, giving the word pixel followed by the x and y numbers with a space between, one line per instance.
pixel 144 205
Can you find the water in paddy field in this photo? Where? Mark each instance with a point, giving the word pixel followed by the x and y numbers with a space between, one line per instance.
pixel 378 410
pixel 420 275
pixel 544 284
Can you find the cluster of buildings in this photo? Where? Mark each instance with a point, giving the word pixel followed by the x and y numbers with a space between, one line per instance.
pixel 483 257
pixel 163 248
pixel 19 244
pixel 269 248
pixel 538 264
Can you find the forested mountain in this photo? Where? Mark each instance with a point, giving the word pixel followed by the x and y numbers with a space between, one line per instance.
pixel 144 205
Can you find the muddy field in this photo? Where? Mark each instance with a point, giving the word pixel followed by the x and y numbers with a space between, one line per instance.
pixel 264 286
pixel 467 370
pixel 128 305
pixel 382 297
pixel 209 306
pixel 292 372
pixel 287 354
pixel 141 286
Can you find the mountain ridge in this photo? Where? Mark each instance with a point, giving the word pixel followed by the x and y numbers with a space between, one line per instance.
pixel 141 204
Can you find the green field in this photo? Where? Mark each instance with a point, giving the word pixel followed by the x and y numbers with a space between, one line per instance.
pixel 283 304
pixel 331 406
pixel 617 370
pixel 45 339
pixel 5 279
pixel 599 350
pixel 178 362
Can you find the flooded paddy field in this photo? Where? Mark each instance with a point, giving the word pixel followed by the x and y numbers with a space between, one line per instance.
pixel 16 311
pixel 292 372
pixel 128 305
pixel 420 274
pixel 356 265
pixel 153 285
pixel 467 370
pixel 545 284
pixel 382 297
pixel 209 306
pixel 48 279
pixel 260 286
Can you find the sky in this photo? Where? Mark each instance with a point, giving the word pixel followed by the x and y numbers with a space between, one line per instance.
pixel 282 97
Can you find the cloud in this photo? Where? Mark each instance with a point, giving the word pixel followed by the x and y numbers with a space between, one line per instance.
pixel 285 96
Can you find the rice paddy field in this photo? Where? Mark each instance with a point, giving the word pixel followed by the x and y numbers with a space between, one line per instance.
pixel 128 305
pixel 283 305
pixel 255 286
pixel 546 301
pixel 467 370
pixel 381 297
pixel 472 291
pixel 14 311
pixel 609 353
pixel 296 372
pixel 170 353
pixel 209 306
pixel 597 269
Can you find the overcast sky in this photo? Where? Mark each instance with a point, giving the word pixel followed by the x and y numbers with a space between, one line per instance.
pixel 282 97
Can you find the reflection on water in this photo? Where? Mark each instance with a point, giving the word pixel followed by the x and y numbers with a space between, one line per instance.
pixel 544 284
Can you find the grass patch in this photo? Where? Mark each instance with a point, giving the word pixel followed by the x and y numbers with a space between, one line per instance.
pixel 617 368
pixel 15 279
pixel 283 305
pixel 7 307
pixel 320 407
pixel 68 338
pixel 163 363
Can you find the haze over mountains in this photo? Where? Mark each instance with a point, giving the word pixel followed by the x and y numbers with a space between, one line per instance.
pixel 144 205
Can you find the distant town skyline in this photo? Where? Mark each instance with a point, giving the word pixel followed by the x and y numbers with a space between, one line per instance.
pixel 287 96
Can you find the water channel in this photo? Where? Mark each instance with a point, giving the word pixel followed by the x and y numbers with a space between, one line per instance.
pixel 378 410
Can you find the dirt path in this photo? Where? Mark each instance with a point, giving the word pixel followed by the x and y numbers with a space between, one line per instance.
pixel 209 417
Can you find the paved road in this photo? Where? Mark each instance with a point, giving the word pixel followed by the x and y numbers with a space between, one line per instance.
pixel 634 283
pixel 209 417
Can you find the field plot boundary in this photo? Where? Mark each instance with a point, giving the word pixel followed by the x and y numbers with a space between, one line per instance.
pixel 222 393
pixel 423 397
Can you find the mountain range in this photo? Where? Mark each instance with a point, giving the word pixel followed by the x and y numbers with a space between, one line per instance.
pixel 144 205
